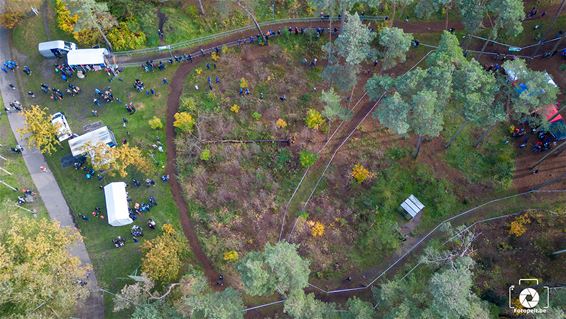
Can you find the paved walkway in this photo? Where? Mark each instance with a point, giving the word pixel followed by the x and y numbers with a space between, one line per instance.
pixel 45 182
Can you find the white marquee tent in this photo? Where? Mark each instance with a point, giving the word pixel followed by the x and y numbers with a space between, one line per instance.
pixel 100 135
pixel 117 204
pixel 87 56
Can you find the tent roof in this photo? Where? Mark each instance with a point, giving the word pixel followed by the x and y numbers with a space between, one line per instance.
pixel 549 111
pixel 558 130
pixel 117 204
pixel 100 135
pixel 86 56
pixel 59 44
pixel 412 206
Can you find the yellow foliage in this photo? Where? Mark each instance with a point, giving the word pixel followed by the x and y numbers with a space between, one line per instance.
pixel 122 38
pixel 184 121
pixel 225 49
pixel 231 256
pixel 243 83
pixel 235 108
pixel 162 255
pixel 198 71
pixel 10 20
pixel 36 265
pixel 42 134
pixel 281 123
pixel 360 173
pixel 314 119
pixel 155 123
pixel 117 159
pixel 65 21
pixel 214 56
pixel 87 37
pixel 317 228
pixel 518 226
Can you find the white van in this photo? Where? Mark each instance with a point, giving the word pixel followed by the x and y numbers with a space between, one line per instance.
pixel 55 49
pixel 63 130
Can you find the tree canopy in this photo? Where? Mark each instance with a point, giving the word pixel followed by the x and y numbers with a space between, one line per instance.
pixel 38 130
pixel 353 43
pixel 37 272
pixel 396 44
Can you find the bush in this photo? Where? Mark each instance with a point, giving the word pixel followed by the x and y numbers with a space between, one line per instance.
pixel 123 38
pixel 360 173
pixel 243 83
pixel 10 20
pixel 188 104
pixel 314 119
pixel 205 155
pixel 235 108
pixel 231 256
pixel 281 123
pixel 307 158
pixel 283 159
pixel 214 57
pixel 155 123
pixel 184 121
pixel 317 228
pixel 256 116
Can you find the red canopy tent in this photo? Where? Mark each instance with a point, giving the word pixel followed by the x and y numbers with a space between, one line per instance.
pixel 549 111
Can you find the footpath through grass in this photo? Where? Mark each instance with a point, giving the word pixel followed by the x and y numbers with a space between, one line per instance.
pixel 112 265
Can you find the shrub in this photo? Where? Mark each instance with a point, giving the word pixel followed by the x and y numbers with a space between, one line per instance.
pixel 184 121
pixel 317 228
pixel 243 83
pixel 10 20
pixel 87 37
pixel 235 108
pixel 518 227
pixel 214 57
pixel 231 256
pixel 123 38
pixel 281 123
pixel 188 104
pixel 360 173
pixel 198 71
pixel 283 159
pixel 307 158
pixel 256 116
pixel 205 155
pixel 314 119
pixel 155 123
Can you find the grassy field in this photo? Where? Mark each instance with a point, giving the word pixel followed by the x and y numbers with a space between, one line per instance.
pixel 15 165
pixel 111 265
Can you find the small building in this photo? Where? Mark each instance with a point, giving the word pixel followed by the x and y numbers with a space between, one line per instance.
pixel 100 135
pixel 117 204
pixel 412 206
pixel 55 49
pixel 96 57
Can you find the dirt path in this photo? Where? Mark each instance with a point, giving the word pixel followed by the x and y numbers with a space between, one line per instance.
pixel 176 89
pixel 44 17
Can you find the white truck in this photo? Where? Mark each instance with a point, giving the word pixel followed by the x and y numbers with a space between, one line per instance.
pixel 63 130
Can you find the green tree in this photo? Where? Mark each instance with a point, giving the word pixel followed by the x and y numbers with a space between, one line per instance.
pixel 332 108
pixel 448 52
pixel 307 158
pixel 358 309
pixel 226 304
pixel 354 42
pixel 38 275
pixel 302 306
pixel 396 44
pixel 509 15
pixel 92 15
pixel 344 77
pixel 279 268
pixel 395 4
pixel 393 113
pixel 472 13
pixel 426 118
pixel 378 85
pixel 537 93
pixel 156 310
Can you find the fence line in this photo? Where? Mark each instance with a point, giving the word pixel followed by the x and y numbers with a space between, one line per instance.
pixel 189 43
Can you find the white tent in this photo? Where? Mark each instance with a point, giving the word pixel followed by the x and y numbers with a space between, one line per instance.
pixel 412 206
pixel 117 204
pixel 100 135
pixel 87 56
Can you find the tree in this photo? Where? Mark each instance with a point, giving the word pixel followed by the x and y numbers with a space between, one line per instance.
pixel 509 15
pixel 396 3
pixel 472 13
pixel 314 119
pixel 15 11
pixel 156 310
pixel 155 123
pixel 39 131
pixel 536 91
pixel 279 268
pixel 38 274
pixel 184 121
pixel 396 44
pixel 358 309
pixel 332 108
pixel 448 52
pixel 427 118
pixel 378 85
pixel 344 77
pixel 354 43
pixel 226 304
pixel 92 15
pixel 301 306
pixel 393 113
pixel 307 158
pixel 116 159
pixel 162 256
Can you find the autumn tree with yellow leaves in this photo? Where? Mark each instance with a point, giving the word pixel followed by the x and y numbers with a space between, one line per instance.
pixel 15 11
pixel 37 269
pixel 518 226
pixel 184 121
pixel 39 130
pixel 162 256
pixel 116 159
